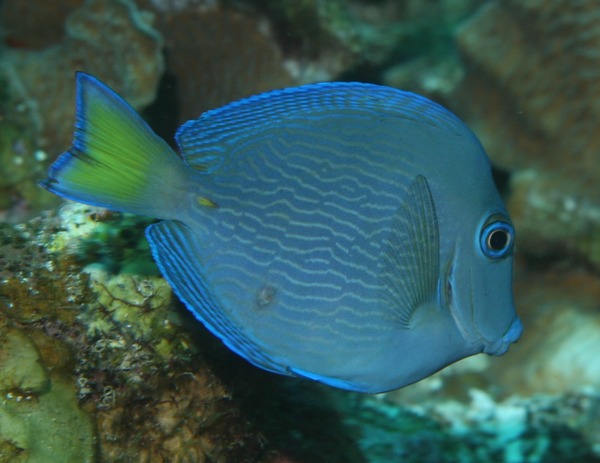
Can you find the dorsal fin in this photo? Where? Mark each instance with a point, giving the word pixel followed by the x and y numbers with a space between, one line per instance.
pixel 206 142
pixel 411 259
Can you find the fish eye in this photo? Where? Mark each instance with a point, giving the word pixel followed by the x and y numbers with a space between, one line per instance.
pixel 496 239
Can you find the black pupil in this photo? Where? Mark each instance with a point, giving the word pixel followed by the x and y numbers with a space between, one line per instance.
pixel 498 240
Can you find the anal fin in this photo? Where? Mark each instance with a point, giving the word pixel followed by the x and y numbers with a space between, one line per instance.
pixel 177 253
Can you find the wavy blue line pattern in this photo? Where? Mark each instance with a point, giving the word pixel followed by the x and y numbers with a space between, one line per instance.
pixel 309 185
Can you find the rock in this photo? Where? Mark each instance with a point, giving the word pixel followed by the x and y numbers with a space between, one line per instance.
pixel 218 55
pixel 558 351
pixel 40 418
pixel 111 39
pixel 554 218
pixel 20 365
pixel 46 427
pixel 531 93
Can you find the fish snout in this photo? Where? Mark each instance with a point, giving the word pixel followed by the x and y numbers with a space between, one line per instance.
pixel 500 346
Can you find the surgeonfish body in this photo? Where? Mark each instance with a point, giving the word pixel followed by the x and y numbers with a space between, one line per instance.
pixel 344 232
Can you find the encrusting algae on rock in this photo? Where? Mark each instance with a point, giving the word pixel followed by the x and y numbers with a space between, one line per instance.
pixel 109 348
pixel 115 348
pixel 40 418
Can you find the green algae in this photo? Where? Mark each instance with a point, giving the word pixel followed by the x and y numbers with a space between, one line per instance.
pixel 128 252
pixel 40 419
pixel 20 364
pixel 46 427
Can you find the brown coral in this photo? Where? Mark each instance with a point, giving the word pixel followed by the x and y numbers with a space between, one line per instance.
pixel 531 93
pixel 110 39
pixel 534 78
pixel 218 55
pixel 35 24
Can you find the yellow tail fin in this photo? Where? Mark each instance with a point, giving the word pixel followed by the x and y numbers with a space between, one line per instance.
pixel 116 160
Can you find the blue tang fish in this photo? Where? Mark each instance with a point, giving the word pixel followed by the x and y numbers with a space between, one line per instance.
pixel 344 232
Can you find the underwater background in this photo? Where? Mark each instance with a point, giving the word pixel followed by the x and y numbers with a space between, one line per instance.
pixel 99 362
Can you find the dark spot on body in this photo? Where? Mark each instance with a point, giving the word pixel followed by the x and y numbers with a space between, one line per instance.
pixel 265 296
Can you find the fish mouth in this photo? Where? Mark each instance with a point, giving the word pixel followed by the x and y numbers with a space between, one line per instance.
pixel 501 345
pixel 465 320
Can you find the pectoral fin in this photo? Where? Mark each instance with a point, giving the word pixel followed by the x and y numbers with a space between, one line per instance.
pixel 410 263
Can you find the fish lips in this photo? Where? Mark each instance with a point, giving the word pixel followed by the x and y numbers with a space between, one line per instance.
pixel 501 345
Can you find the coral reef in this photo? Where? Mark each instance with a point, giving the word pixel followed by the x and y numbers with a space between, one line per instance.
pixel 323 40
pixel 20 161
pixel 19 363
pixel 427 61
pixel 40 419
pixel 35 24
pixel 99 362
pixel 257 46
pixel 568 212
pixel 559 307
pixel 136 373
pixel 110 39
pixel 538 61
pixel 531 92
pixel 215 52
pixel 218 55
pixel 536 429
